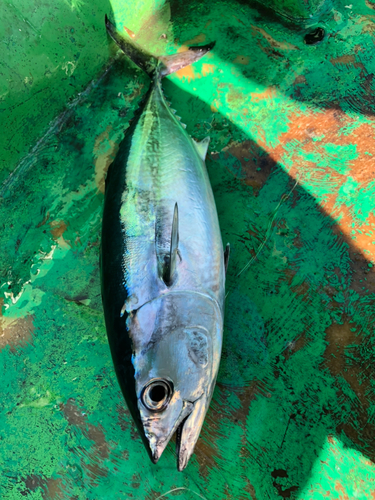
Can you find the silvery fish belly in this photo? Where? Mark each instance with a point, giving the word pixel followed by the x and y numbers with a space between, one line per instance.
pixel 163 275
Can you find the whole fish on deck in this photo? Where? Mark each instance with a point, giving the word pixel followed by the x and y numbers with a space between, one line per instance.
pixel 162 267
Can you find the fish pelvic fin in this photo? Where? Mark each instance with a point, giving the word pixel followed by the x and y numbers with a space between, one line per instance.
pixel 170 262
pixel 155 66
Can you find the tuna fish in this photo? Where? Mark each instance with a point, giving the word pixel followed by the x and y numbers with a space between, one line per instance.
pixel 162 267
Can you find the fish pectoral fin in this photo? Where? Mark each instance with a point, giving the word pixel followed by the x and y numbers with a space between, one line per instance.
pixel 170 261
pixel 226 257
pixel 202 147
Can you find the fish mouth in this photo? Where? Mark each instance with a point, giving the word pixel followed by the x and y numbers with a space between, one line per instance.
pixel 187 428
pixel 158 444
pixel 182 458
pixel 188 433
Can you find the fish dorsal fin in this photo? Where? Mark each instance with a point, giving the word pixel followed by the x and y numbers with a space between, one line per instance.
pixel 202 147
pixel 170 261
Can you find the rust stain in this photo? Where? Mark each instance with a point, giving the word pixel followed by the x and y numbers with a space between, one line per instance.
pixel 274 43
pixel 256 166
pixel 196 40
pixel 341 359
pixel 95 433
pixel 346 59
pixel 58 228
pixel 241 60
pixel 15 332
pixel 300 79
pixel 52 489
pixel 361 249
pixel 235 98
pixel 105 158
pixel 43 222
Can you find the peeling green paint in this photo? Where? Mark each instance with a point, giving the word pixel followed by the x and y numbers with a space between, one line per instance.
pixel 290 163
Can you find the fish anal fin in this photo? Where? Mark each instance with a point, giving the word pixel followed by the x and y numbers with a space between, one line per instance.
pixel 226 257
pixel 170 261
pixel 202 147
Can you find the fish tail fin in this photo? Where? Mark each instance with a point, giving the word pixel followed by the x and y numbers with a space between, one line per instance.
pixel 155 66
pixel 170 64
pixel 139 56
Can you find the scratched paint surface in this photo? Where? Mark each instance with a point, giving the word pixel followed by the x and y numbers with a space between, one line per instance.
pixel 291 163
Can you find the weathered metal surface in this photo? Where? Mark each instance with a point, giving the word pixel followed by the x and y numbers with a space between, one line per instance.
pixel 298 9
pixel 291 164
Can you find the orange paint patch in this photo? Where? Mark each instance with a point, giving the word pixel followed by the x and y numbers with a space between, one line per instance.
pixel 187 72
pixel 129 32
pixel 235 98
pixel 363 169
pixel 190 74
pixel 241 60
pixel 196 40
pixel 331 125
pixel 182 48
pixel 269 93
pixel 207 69
pixel 339 488
pixel 214 106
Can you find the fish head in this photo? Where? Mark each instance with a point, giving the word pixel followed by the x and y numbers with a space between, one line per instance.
pixel 176 352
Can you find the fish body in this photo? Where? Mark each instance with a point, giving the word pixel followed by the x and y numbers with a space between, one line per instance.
pixel 163 276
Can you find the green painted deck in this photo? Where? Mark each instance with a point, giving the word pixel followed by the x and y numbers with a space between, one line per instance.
pixel 292 166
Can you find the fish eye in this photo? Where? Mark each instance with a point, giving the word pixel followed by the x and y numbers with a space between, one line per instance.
pixel 156 394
